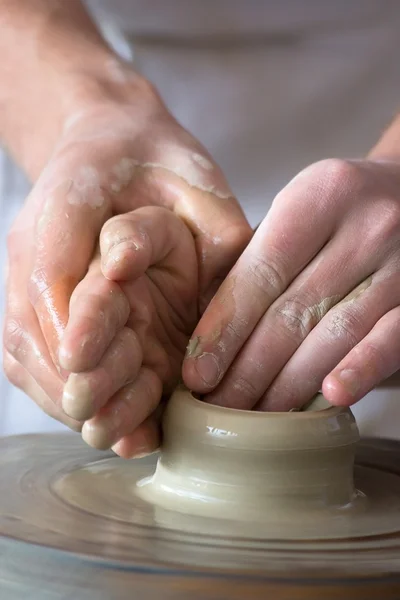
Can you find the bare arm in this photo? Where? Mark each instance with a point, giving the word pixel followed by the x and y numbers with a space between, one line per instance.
pixel 388 146
pixel 53 60
pixel 103 143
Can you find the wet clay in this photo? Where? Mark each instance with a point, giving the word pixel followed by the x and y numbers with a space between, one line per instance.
pixel 73 525
pixel 225 463
pixel 262 475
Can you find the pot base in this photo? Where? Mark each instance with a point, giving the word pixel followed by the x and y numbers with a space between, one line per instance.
pixel 111 489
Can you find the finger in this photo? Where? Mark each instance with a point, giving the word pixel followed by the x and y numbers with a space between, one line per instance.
pixel 143 441
pixel 193 186
pixel 73 207
pixel 287 323
pixel 286 241
pixel 98 310
pixel 127 410
pixel 146 237
pixel 20 377
pixel 85 393
pixel 375 358
pixel 203 199
pixel 338 332
pixel 24 343
pixel 160 239
pixel 23 338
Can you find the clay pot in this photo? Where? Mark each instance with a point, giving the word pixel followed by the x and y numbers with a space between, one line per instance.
pixel 221 462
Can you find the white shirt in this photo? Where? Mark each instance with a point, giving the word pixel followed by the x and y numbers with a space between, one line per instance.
pixel 268 87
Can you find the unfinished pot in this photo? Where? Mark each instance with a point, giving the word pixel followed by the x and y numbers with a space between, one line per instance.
pixel 220 462
pixel 262 514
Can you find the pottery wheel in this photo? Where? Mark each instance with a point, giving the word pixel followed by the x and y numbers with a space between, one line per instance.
pixel 72 525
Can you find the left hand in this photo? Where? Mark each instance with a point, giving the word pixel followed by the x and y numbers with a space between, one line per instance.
pixel 129 322
pixel 314 300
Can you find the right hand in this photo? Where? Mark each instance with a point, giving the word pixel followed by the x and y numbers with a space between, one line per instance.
pixel 122 151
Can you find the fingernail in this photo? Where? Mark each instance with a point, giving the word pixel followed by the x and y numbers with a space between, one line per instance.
pixel 208 368
pixel 143 453
pixel 77 399
pixel 350 380
pixel 98 435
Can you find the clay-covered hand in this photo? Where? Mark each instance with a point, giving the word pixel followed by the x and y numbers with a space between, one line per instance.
pixel 314 300
pixel 130 319
pixel 134 313
pixel 121 150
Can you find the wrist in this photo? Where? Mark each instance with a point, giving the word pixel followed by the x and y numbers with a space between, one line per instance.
pixel 55 64
pixel 34 130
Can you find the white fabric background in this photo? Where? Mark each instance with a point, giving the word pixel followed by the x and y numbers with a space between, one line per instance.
pixel 268 90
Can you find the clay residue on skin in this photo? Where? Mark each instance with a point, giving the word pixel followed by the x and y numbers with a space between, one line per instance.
pixel 339 322
pixel 310 317
pixel 77 400
pixel 202 161
pixel 125 170
pixel 226 293
pixel 99 435
pixel 122 174
pixel 85 188
pixel 195 347
pixel 190 176
pixel 356 293
pixel 221 346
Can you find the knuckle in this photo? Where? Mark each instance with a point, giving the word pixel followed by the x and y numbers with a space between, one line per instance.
pixel 334 177
pixel 128 337
pixel 373 357
pixel 37 284
pixel 386 227
pixel 338 172
pixel 12 369
pixel 344 325
pixel 108 306
pixel 267 277
pixel 127 349
pixel 245 387
pixel 236 328
pixel 14 337
pixel 295 316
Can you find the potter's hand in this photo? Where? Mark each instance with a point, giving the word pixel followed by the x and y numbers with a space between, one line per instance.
pixel 115 155
pixel 315 298
pixel 135 310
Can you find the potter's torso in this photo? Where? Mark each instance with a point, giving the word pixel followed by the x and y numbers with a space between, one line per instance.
pixel 268 87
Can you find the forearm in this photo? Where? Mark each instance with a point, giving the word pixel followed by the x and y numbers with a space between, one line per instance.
pixel 54 61
pixel 388 146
